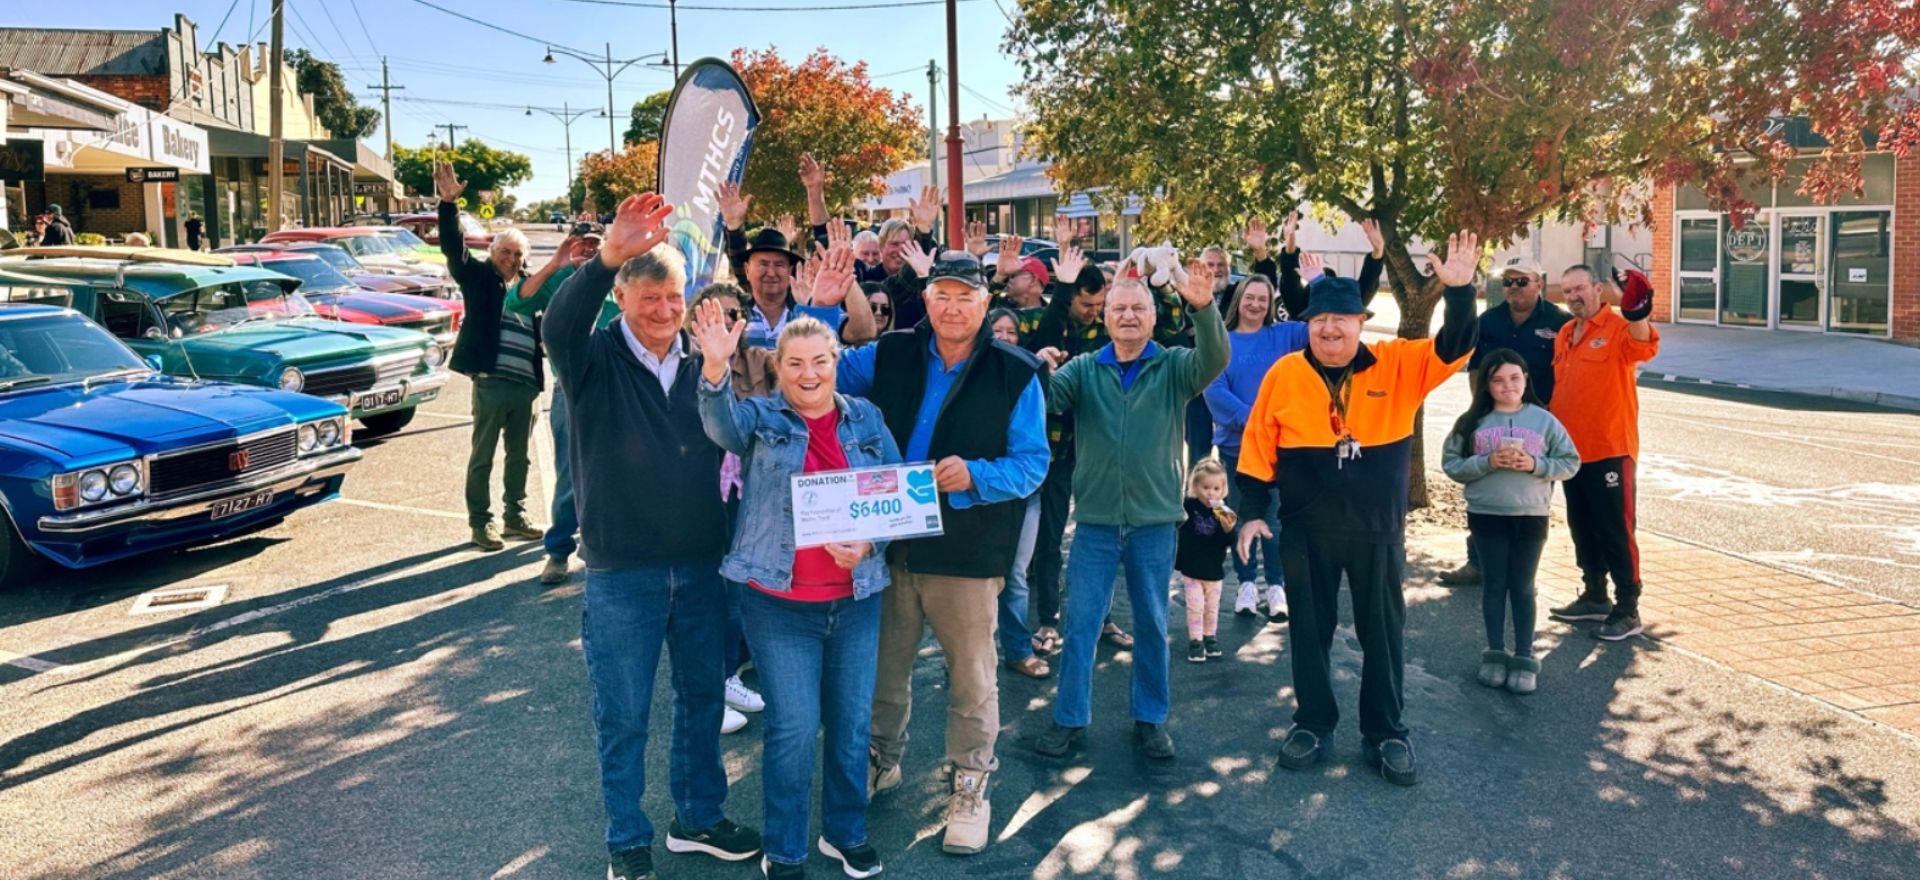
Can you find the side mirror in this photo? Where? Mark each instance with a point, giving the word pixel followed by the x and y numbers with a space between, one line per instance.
pixel 153 360
pixel 154 333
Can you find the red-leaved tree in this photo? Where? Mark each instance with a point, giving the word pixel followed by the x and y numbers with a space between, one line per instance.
pixel 860 132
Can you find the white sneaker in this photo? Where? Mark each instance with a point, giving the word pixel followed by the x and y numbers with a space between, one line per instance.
pixel 743 698
pixel 1249 601
pixel 1276 601
pixel 732 721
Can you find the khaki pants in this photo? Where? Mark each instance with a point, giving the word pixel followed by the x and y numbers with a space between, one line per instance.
pixel 962 613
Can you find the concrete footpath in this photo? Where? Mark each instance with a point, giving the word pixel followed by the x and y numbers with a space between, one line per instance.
pixel 1850 368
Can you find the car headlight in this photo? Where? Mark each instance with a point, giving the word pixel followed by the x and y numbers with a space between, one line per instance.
pixel 308 437
pixel 322 435
pixel 291 379
pixel 330 433
pixel 93 486
pixel 124 479
pixel 435 356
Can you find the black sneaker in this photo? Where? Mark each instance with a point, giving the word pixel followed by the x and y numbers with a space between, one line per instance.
pixel 857 861
pixel 1059 740
pixel 1394 759
pixel 1212 646
pixel 1583 608
pixel 631 864
pixel 1620 626
pixel 1196 652
pixel 773 870
pixel 1301 749
pixel 724 841
pixel 1152 740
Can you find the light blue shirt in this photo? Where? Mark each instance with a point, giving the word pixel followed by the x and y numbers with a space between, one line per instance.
pixel 664 368
pixel 1016 475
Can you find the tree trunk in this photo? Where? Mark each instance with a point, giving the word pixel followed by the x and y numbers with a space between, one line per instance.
pixel 1416 294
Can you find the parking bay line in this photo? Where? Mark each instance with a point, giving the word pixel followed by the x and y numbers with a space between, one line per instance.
pixel 402 508
pixel 22 661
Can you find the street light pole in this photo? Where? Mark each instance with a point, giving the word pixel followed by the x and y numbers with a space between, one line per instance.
pixel 613 146
pixel 673 20
pixel 610 74
pixel 956 198
pixel 567 115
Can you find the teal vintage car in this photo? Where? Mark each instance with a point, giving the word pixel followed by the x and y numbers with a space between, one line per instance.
pixel 247 324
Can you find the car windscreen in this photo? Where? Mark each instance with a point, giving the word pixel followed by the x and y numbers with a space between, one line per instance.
pixel 406 235
pixel 221 306
pixel 44 349
pixel 338 258
pixel 470 226
pixel 314 274
pixel 365 245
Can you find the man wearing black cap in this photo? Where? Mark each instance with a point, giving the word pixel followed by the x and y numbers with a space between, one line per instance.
pixel 58 232
pixel 954 396
pixel 1332 428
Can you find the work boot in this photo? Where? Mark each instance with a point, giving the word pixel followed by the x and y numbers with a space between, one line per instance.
pixel 487 538
pixel 880 779
pixel 1152 740
pixel 1466 575
pixel 521 530
pixel 554 572
pixel 968 814
pixel 1059 740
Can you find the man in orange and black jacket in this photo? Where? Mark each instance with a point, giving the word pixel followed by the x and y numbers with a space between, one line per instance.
pixel 1332 429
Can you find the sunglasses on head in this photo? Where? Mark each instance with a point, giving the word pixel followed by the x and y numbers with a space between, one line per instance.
pixel 1516 282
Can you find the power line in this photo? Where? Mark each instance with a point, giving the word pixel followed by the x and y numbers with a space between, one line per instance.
pixel 885 4
pixel 363 26
pixel 344 42
pixel 989 101
pixel 223 23
pixel 494 27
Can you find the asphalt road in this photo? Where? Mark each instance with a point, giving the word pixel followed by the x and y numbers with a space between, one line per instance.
pixel 374 699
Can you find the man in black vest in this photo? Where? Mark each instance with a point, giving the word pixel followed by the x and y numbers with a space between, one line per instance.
pixel 652 528
pixel 954 396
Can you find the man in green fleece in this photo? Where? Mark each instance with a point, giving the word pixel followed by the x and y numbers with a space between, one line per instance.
pixel 1129 402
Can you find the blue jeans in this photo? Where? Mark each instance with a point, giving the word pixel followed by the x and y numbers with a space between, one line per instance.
pixel 1016 641
pixel 816 668
pixel 565 523
pixel 629 613
pixel 1199 431
pixel 1098 555
pixel 1268 549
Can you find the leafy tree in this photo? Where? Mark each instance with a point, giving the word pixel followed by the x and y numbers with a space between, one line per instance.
pixel 649 114
pixel 538 211
pixel 1435 115
pixel 481 166
pixel 607 179
pixel 823 106
pixel 333 102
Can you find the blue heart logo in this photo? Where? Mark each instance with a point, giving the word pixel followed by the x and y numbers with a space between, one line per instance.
pixel 920 485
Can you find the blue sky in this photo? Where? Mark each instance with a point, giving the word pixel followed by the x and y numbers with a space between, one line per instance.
pixel 440 57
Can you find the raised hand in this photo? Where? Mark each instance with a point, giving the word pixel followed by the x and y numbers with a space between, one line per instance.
pixel 573 251
pixel 1636 294
pixel 1256 235
pixel 833 277
pixel 718 340
pixel 1463 256
pixel 918 257
pixel 1289 231
pixel 1311 265
pixel 1375 238
pixel 812 176
pixel 1062 230
pixel 803 277
pixel 639 224
pixel 838 233
pixel 1008 260
pixel 1197 289
pixel 445 185
pixel 733 205
pixel 925 209
pixel 789 228
pixel 1067 266
pixel 977 238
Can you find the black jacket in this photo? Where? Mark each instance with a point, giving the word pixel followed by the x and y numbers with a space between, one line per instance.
pixel 58 233
pixel 485 293
pixel 1532 339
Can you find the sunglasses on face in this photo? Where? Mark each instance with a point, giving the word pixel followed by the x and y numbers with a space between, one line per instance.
pixel 1515 282
pixel 733 315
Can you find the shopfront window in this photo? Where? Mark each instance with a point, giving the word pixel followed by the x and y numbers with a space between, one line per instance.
pixel 1699 248
pixel 1743 270
pixel 1861 245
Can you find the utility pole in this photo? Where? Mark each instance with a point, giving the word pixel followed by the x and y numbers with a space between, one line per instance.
pixel 956 198
pixel 613 145
pixel 933 125
pixel 449 127
pixel 386 88
pixel 276 131
pixel 673 19
pixel 567 115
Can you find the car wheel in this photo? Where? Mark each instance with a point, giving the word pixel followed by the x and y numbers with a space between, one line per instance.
pixel 18 562
pixel 385 423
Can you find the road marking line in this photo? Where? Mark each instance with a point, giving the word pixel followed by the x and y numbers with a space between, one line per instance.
pixel 401 508
pixel 440 415
pixel 1771 436
pixel 30 664
pixel 542 440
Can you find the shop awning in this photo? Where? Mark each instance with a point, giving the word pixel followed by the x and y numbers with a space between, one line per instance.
pixel 33 101
pixel 134 137
pixel 1024 182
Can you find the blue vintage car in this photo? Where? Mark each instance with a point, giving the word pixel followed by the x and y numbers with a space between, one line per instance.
pixel 102 456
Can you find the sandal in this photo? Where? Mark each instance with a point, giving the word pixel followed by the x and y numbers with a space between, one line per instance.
pixel 1113 635
pixel 1046 641
pixel 1032 667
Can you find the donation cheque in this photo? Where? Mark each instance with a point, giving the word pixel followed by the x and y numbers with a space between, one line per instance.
pixel 866 504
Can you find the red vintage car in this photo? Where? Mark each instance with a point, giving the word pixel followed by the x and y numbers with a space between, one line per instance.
pixel 363 275
pixel 340 298
pixel 427 226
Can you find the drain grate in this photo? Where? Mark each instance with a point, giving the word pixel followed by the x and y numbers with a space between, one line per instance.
pixel 179 599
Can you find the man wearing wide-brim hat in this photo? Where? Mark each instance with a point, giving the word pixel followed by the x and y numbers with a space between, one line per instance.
pixel 1332 429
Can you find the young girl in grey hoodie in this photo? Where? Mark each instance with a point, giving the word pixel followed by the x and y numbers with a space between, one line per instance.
pixel 1508 451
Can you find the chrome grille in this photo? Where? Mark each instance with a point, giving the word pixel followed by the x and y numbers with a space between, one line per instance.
pixel 345 380
pixel 208 465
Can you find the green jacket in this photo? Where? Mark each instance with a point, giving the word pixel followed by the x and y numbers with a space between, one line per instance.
pixel 1129 456
pixel 537 302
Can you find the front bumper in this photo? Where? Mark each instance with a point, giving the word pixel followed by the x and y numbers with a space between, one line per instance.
pixel 404 394
pixel 315 472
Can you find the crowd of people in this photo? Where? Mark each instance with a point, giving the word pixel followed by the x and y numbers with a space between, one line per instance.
pixel 1037 393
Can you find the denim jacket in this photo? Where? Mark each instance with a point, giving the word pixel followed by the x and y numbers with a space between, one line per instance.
pixel 771 440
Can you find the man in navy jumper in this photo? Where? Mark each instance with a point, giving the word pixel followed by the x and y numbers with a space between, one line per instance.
pixel 652 529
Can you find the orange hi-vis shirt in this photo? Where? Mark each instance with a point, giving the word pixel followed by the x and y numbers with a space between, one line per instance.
pixel 1290 438
pixel 1594 394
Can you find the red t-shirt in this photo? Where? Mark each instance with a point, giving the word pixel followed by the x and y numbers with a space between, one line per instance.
pixel 816 577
